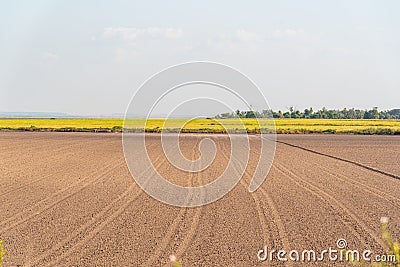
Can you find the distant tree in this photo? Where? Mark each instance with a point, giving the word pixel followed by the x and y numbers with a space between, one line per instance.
pixel 323 113
pixel 250 114
pixel 268 113
pixel 296 114
pixel 343 114
pixel 225 115
pixel 375 113
pixel 372 114
pixel 307 113
pixel 395 113
pixel 291 110
pixel 351 114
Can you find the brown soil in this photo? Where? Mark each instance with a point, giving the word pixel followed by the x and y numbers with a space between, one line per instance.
pixel 68 199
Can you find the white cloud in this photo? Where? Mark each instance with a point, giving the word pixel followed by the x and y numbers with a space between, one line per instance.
pixel 239 41
pixel 289 32
pixel 248 36
pixel 50 56
pixel 132 34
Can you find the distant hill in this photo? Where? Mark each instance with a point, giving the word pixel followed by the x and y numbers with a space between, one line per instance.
pixel 47 115
pixel 35 115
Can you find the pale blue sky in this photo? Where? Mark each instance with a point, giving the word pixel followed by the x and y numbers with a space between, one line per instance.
pixel 89 57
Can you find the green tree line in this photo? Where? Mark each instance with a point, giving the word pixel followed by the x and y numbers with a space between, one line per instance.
pixel 310 113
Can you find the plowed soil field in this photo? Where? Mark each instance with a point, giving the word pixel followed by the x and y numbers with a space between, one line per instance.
pixel 68 199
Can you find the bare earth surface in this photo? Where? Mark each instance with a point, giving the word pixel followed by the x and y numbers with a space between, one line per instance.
pixel 68 199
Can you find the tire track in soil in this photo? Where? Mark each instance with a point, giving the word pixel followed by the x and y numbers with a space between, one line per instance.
pixel 392 200
pixel 51 174
pixel 29 214
pixel 260 213
pixel 89 230
pixel 370 189
pixel 374 188
pixel 190 234
pixel 56 198
pixel 363 167
pixel 265 227
pixel 193 226
pixel 40 178
pixel 177 221
pixel 341 159
pixel 29 151
pixel 335 204
pixel 279 226
pixel 123 197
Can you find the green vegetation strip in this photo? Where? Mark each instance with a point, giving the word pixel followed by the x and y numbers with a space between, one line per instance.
pixel 285 126
pixel 2 252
